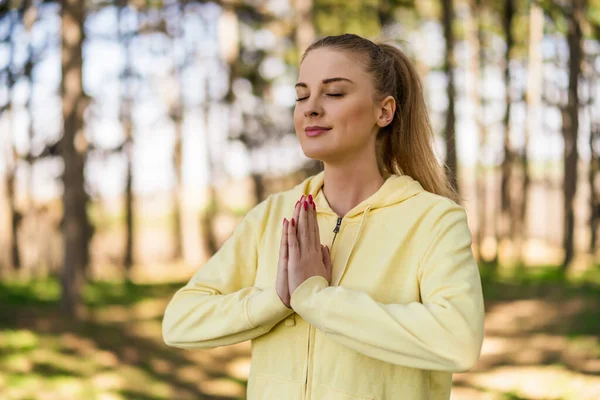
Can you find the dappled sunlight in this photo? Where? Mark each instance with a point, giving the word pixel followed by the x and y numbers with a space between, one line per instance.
pixel 84 347
pixel 536 349
pixel 512 318
pixel 539 382
pixel 539 344
pixel 223 387
pixel 191 374
pixel 239 368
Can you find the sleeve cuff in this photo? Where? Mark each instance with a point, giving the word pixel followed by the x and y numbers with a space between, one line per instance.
pixel 265 308
pixel 308 304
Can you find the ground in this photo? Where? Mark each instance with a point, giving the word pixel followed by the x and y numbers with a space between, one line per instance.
pixel 541 342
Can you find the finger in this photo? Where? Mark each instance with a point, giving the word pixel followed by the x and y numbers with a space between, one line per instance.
pixel 297 212
pixel 314 222
pixel 305 238
pixel 311 224
pixel 293 247
pixel 327 261
pixel 283 248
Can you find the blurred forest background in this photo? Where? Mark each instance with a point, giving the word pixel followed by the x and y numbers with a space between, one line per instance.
pixel 135 134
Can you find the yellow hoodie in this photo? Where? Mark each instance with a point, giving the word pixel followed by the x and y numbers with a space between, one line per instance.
pixel 404 309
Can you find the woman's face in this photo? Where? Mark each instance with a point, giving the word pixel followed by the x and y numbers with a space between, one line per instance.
pixel 335 116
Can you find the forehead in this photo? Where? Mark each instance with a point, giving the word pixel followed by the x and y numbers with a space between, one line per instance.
pixel 323 63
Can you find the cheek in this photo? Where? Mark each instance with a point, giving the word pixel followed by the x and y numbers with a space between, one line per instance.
pixel 355 115
pixel 297 119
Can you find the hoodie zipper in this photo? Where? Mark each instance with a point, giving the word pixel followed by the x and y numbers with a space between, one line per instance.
pixel 309 353
pixel 336 230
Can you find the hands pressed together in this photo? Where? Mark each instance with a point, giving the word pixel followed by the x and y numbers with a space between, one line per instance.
pixel 301 254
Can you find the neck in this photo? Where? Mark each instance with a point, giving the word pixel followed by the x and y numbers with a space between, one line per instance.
pixel 346 186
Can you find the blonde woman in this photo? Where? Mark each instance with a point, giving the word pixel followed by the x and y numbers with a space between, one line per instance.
pixel 360 282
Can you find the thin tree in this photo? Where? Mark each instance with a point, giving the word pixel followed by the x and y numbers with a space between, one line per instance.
pixel 176 113
pixel 570 125
pixel 12 260
pixel 508 218
pixel 594 144
pixel 474 38
pixel 533 99
pixel 449 68
pixel 72 150
pixel 126 36
pixel 305 27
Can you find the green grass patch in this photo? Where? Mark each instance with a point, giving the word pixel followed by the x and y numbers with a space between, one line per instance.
pixel 95 294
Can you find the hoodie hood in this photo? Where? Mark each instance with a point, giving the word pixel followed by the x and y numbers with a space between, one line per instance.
pixel 395 190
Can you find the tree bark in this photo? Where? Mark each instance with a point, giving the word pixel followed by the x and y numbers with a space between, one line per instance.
pixel 305 27
pixel 127 123
pixel 476 60
pixel 449 67
pixel 177 110
pixel 74 101
pixel 533 99
pixel 508 217
pixel 570 129
pixel 12 260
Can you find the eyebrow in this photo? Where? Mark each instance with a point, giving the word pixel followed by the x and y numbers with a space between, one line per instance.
pixel 326 81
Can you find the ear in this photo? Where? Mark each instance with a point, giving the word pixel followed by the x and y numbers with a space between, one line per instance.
pixel 385 111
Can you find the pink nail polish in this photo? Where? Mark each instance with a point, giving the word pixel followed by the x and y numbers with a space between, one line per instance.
pixel 314 206
pixel 310 198
pixel 293 224
pixel 305 206
pixel 284 220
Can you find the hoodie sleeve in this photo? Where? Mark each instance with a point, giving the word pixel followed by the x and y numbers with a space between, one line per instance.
pixel 443 332
pixel 220 306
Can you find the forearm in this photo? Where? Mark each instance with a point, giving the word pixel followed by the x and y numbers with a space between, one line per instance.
pixel 197 319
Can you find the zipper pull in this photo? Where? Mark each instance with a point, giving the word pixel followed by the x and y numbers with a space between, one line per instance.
pixel 337 225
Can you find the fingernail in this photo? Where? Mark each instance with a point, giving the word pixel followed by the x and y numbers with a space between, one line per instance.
pixel 293 224
pixel 284 220
pixel 310 198
pixel 314 206
pixel 305 205
pixel 297 204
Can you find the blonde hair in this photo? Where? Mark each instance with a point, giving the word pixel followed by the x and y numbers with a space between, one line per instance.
pixel 405 146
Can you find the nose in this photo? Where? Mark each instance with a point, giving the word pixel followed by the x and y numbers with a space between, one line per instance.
pixel 312 107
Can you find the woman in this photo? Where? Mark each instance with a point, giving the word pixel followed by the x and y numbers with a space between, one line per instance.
pixel 392 305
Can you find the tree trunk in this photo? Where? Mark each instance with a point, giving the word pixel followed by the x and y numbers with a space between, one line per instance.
pixel 179 193
pixel 305 27
pixel 15 219
pixel 210 212
pixel 177 110
pixel 507 212
pixel 571 126
pixel 127 123
pixel 533 98
pixel 449 67
pixel 72 149
pixel 472 33
pixel 594 167
pixel 13 261
pixel 129 215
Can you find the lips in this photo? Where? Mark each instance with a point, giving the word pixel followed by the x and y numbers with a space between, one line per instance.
pixel 312 131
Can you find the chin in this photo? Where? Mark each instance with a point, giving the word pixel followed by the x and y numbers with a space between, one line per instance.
pixel 319 153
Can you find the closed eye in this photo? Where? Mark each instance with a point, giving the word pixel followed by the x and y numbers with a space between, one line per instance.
pixel 328 94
